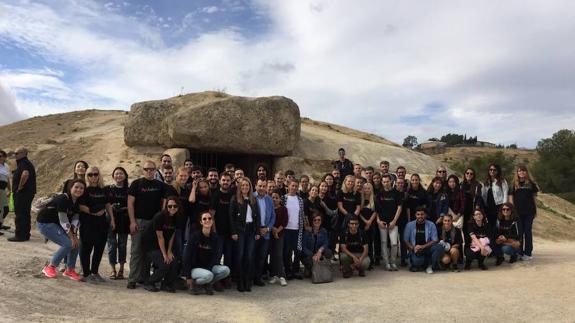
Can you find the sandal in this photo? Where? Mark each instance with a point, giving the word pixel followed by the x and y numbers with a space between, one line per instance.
pixel 113 275
pixel 120 274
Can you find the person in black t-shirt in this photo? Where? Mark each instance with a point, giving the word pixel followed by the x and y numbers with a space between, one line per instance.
pixel 280 180
pixel 23 191
pixel 401 188
pixel 479 241
pixel 506 235
pixel 145 199
pixel 367 222
pixel 94 225
pixel 180 189
pixel 80 167
pixel 158 244
pixel 58 222
pixel 522 195
pixel 343 165
pixel 389 207
pixel 329 205
pixel 416 197
pixel 201 201
pixel 222 223
pixel 304 187
pixel 201 262
pixel 354 250
pixel 348 202
pixel 117 194
pixel 213 179
pixel 451 240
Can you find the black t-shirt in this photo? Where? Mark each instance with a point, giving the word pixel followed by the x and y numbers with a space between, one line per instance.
pixel 350 201
pixel 355 242
pixel 523 198
pixel 95 198
pixel 309 207
pixel 508 229
pixel 185 206
pixel 149 195
pixel 479 231
pixel 415 199
pixel 303 195
pixel 204 251
pixel 222 207
pixel 160 222
pixel 118 197
pixel 203 204
pixel 447 236
pixel 386 203
pixel 345 167
pixel 60 203
pixel 30 185
pixel 420 233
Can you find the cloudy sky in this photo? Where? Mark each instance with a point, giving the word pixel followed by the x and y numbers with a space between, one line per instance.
pixel 502 70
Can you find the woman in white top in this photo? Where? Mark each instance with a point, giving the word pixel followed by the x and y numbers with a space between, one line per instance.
pixel 495 191
pixel 4 189
pixel 293 232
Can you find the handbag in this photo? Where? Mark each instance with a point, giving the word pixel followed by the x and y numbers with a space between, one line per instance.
pixel 457 220
pixel 321 271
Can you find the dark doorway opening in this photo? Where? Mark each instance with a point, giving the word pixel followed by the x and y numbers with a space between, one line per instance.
pixel 247 162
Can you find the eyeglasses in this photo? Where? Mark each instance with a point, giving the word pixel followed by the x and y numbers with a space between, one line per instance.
pixel 172 206
pixel 92 174
pixel 149 169
pixel 206 219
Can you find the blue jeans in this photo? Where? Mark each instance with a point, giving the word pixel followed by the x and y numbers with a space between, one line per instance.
pixel 502 249
pixel 117 247
pixel 203 276
pixel 55 233
pixel 245 246
pixel 526 234
pixel 427 257
pixel 290 247
pixel 225 249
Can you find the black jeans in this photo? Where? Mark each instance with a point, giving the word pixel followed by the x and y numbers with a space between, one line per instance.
pixel 22 206
pixel 261 255
pixel 163 272
pixel 93 235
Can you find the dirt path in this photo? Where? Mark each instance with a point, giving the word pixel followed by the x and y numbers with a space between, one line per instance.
pixel 538 291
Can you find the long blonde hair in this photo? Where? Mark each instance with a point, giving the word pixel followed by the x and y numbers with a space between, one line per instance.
pixel 343 188
pixel 528 181
pixel 239 197
pixel 94 169
pixel 370 199
pixel 177 185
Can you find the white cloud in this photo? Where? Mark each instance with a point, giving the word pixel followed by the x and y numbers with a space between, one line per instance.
pixel 8 108
pixel 503 72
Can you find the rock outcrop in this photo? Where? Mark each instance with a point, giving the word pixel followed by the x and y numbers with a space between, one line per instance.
pixel 216 122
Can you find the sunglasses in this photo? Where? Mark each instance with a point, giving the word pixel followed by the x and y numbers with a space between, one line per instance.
pixel 442 171
pixel 206 219
pixel 150 169
pixel 92 174
pixel 505 209
pixel 172 206
pixel 469 173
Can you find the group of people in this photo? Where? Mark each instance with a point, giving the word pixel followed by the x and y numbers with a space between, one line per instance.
pixel 215 229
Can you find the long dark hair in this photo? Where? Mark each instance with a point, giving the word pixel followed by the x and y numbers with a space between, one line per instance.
pixel 75 164
pixel 430 188
pixel 72 183
pixel 456 179
pixel 175 199
pixel 125 182
pixel 498 177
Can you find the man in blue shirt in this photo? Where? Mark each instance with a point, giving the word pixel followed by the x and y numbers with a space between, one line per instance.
pixel 421 242
pixel 268 218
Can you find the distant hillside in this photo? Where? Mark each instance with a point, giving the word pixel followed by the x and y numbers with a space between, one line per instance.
pixel 453 155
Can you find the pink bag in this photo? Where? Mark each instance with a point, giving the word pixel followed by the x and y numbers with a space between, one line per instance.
pixel 484 242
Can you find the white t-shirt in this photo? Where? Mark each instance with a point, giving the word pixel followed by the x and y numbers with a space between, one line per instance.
pixel 4 173
pixel 249 218
pixel 292 206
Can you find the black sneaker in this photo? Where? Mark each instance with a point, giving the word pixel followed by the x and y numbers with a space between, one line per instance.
pixel 467 266
pixel 298 276
pixel 482 266
pixel 259 282
pixel 131 285
pixel 196 289
pixel 219 287
pixel 346 274
pixel 209 289
pixel 413 269
pixel 512 259
pixel 5 227
pixel 17 239
pixel 361 273
pixel 499 261
pixel 169 289
pixel 151 288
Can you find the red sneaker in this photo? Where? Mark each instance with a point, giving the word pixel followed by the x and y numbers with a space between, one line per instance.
pixel 71 273
pixel 49 271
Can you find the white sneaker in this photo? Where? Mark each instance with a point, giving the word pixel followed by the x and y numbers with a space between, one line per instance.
pixel 283 281
pixel 274 280
pixel 394 267
pixel 429 270
pixel 388 267
pixel 526 258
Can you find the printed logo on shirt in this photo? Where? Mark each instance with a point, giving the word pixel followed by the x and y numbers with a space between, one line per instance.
pixel 149 189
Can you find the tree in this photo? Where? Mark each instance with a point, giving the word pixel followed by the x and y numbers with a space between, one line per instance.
pixel 410 142
pixel 481 163
pixel 555 168
pixel 433 139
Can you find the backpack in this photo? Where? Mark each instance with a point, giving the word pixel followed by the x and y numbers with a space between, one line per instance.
pixel 43 202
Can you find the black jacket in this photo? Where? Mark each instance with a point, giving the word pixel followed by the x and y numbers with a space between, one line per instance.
pixel 238 216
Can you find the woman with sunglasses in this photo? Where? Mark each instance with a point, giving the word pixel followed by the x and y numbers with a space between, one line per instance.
pixel 59 222
pixel 507 235
pixel 245 222
pixel 158 244
pixel 315 244
pixel 94 225
pixel 118 237
pixel 523 195
pixel 495 192
pixel 202 267
pixel 471 189
pixel 4 190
